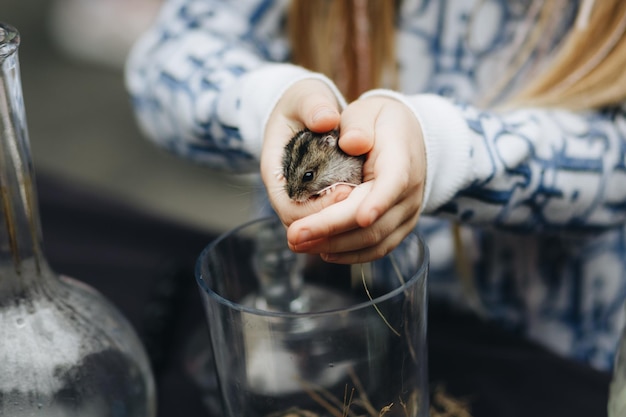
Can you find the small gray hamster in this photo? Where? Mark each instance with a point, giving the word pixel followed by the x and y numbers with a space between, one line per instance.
pixel 313 163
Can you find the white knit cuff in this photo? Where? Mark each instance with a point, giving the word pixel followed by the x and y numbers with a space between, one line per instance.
pixel 260 92
pixel 447 142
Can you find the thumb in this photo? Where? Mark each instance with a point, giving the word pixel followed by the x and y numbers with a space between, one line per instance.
pixel 357 128
pixel 315 104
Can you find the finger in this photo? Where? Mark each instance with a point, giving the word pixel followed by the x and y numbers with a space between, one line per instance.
pixel 290 211
pixel 371 253
pixel 355 142
pixel 360 238
pixel 316 106
pixel 397 163
pixel 388 188
pixel 357 128
pixel 332 220
pixel 318 115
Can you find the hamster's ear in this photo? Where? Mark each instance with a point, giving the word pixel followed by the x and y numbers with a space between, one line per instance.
pixel 329 140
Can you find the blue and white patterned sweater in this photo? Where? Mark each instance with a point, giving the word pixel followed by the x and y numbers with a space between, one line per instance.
pixel 542 192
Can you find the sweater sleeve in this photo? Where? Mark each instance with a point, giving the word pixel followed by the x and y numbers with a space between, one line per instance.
pixel 528 169
pixel 205 77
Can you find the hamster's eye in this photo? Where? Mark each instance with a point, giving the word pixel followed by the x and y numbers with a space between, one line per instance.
pixel 308 176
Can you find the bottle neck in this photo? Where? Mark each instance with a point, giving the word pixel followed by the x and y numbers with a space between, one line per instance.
pixel 20 233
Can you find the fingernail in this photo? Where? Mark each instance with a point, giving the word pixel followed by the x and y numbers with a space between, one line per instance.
pixel 303 236
pixel 330 257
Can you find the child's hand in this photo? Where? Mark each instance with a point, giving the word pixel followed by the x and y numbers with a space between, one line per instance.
pixel 309 103
pixel 382 211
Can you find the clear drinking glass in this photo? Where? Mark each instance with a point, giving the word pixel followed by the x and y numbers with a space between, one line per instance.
pixel 295 336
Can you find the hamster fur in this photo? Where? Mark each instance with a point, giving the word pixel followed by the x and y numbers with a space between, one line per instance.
pixel 313 163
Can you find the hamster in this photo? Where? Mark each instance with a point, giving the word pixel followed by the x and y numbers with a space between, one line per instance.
pixel 313 164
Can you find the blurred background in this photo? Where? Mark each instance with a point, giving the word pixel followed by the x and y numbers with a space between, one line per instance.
pixel 81 125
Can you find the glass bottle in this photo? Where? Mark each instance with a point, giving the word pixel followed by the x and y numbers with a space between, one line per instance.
pixel 64 349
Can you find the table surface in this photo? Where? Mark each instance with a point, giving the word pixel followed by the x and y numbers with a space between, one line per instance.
pixel 145 264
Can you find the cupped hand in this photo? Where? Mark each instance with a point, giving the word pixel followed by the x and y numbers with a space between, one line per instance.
pixel 307 103
pixel 374 218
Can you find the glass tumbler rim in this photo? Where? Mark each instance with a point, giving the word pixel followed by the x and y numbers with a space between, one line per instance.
pixel 421 271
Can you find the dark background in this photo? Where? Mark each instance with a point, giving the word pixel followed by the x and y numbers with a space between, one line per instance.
pixel 82 127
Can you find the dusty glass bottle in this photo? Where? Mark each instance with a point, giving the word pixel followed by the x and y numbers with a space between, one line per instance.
pixel 64 349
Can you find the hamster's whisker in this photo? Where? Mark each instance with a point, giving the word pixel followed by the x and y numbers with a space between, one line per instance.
pixel 332 187
pixel 277 190
pixel 306 203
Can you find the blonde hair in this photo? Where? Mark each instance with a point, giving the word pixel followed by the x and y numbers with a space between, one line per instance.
pixel 587 69
pixel 334 37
